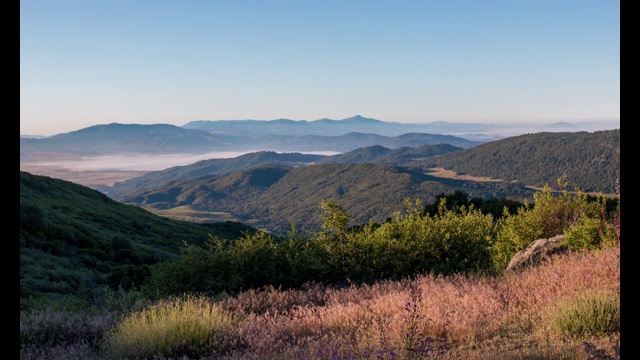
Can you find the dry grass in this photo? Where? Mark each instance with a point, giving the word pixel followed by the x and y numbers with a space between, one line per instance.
pixel 450 174
pixel 456 317
pixel 480 317
pixel 89 178
pixel 191 214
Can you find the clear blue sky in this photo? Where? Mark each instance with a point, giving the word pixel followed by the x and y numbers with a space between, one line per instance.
pixel 88 62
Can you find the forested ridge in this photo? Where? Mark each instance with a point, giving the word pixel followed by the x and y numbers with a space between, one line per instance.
pixel 272 196
pixel 371 182
pixel 589 159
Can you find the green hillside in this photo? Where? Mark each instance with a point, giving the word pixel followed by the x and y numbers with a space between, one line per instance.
pixel 75 240
pixel 209 167
pixel 591 160
pixel 380 154
pixel 271 196
pixel 374 154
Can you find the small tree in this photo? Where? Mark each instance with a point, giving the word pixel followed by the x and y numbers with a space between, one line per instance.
pixel 332 241
pixel 335 220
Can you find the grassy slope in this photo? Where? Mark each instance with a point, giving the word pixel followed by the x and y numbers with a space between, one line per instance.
pixel 74 238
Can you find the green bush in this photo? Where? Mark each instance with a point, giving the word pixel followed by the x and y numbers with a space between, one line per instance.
pixel 550 215
pixel 253 261
pixel 197 270
pixel 451 241
pixel 585 235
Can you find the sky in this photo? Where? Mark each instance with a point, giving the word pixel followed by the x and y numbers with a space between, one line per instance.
pixel 89 62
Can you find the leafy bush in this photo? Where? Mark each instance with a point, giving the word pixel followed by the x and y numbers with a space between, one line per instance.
pixel 550 215
pixel 591 234
pixel 451 241
pixel 197 270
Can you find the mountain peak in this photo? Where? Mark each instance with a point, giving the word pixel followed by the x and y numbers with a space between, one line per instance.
pixel 360 118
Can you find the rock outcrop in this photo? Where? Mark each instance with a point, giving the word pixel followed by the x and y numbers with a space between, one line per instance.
pixel 538 251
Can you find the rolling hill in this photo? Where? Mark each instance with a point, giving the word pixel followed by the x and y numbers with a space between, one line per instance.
pixel 271 196
pixel 208 167
pixel 590 160
pixel 372 182
pixel 373 154
pixel 379 154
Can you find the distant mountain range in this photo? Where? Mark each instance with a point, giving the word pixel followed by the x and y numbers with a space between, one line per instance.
pixel 359 124
pixel 114 139
pixel 330 127
pixel 205 136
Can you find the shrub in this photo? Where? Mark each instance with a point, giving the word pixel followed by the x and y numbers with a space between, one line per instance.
pixel 590 314
pixel 550 215
pixel 197 270
pixel 451 241
pixel 591 234
pixel 188 326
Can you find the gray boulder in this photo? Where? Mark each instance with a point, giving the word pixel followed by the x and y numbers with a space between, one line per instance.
pixel 538 251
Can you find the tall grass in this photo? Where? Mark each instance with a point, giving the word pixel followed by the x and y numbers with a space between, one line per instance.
pixel 172 327
pixel 589 314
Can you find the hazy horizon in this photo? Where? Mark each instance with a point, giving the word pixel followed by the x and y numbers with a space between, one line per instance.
pixel 154 162
pixel 498 61
pixel 509 129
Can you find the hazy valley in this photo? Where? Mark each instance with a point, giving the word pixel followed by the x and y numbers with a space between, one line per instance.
pixel 271 189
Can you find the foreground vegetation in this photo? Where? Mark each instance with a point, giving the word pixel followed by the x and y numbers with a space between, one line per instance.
pixel 448 238
pixel 429 283
pixel 568 308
